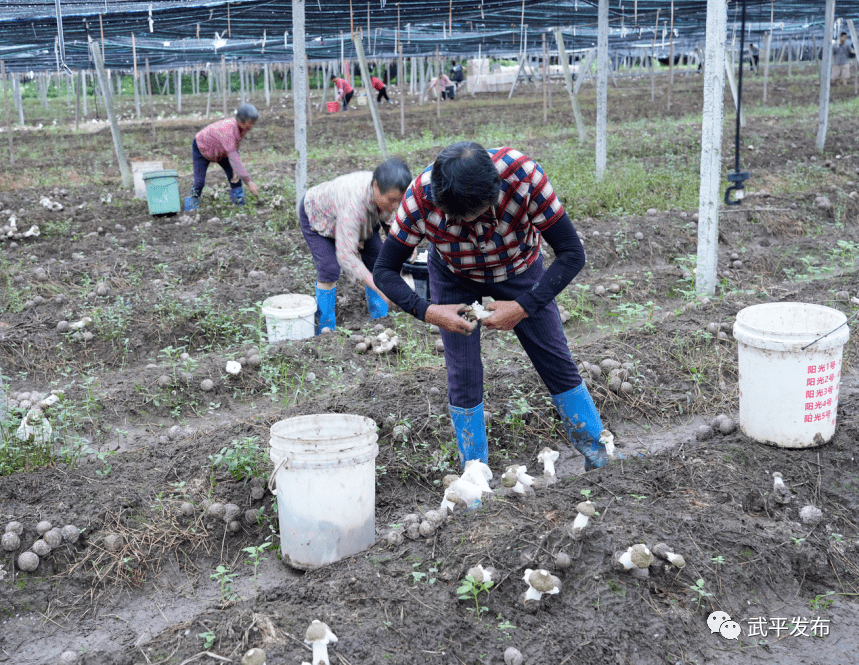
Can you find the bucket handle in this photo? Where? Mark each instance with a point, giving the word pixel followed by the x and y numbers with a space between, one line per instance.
pixel 282 464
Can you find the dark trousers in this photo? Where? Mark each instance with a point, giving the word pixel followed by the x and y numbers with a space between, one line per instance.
pixel 448 91
pixel 541 335
pixel 201 165
pixel 324 250
pixel 347 98
pixel 383 94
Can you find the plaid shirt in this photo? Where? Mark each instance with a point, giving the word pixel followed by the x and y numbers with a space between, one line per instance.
pixel 222 139
pixel 343 87
pixel 504 240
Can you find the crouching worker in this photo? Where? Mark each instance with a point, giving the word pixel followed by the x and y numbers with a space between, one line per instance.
pixel 340 220
pixel 219 143
pixel 484 213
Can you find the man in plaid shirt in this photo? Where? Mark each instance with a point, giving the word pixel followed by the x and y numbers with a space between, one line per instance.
pixel 484 213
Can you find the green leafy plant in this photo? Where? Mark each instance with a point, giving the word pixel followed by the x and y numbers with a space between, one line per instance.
pixel 719 560
pixel 208 639
pixel 698 588
pixel 224 578
pixel 470 589
pixel 242 458
pixel 255 558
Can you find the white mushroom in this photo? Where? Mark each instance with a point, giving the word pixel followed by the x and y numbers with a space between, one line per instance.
pixel 521 472
pixel 395 537
pixel 28 561
pixel 15 527
pixel 113 542
pixel 476 312
pixel 483 574
pixel 465 492
pixel 43 527
pixel 511 481
pixel 512 656
pixel 635 559
pixel 663 552
pixel 83 323
pixel 477 473
pixel 811 515
pixel 781 494
pixel 539 582
pixel 548 457
pixel 233 367
pixel 254 657
pixel 427 528
pixel 231 512
pixel 586 511
pixel 319 636
pixel 607 439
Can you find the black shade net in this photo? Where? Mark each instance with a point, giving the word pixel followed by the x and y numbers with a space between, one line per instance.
pixel 175 34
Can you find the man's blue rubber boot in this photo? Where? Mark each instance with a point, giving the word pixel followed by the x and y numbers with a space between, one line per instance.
pixel 192 203
pixel 237 194
pixel 325 300
pixel 470 428
pixel 583 424
pixel 376 304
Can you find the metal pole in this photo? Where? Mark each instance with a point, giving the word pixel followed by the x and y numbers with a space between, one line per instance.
pixel 299 90
pixel 371 101
pixel 107 94
pixel 715 65
pixel 545 81
pixel 8 114
pixel 602 88
pixel 401 79
pixel 136 76
pixel 151 103
pixel 826 76
pixel 568 77
pixel 224 82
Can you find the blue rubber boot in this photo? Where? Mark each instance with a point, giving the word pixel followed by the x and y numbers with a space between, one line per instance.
pixel 377 306
pixel 325 301
pixel 583 424
pixel 192 203
pixel 470 428
pixel 237 194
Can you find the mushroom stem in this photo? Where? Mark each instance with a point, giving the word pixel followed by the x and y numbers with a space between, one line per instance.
pixel 579 524
pixel 607 439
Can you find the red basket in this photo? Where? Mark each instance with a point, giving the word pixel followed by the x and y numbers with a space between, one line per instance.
pixel 332 107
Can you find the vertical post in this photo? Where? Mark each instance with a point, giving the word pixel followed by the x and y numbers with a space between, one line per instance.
pixel 477 73
pixel 653 61
pixel 265 84
pixel 767 43
pixel 715 66
pixel 671 58
pixel 224 82
pixel 438 84
pixel 826 75
pixel 18 99
pixel 371 101
pixel 299 89
pixel 136 76
pixel 8 114
pixel 852 30
pixel 734 92
pixel 77 85
pixel 84 92
pixel 568 77
pixel 178 90
pixel 602 87
pixel 107 94
pixel 309 99
pixel 210 72
pixel 413 79
pixel 151 102
pixel 545 81
pixel 401 79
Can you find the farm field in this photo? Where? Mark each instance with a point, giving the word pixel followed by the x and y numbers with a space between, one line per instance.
pixel 136 435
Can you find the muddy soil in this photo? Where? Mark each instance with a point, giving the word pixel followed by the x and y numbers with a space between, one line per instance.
pixel 138 436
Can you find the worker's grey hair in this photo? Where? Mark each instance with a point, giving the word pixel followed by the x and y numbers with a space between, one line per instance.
pixel 247 112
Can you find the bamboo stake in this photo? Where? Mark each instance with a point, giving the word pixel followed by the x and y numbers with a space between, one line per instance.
pixel 107 94
pixel 401 79
pixel 8 114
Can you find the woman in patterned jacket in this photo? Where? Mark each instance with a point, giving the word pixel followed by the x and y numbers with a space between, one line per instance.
pixel 340 220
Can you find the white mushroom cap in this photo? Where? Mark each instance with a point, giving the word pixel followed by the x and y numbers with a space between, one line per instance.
pixel 43 527
pixel 41 548
pixel 586 508
pixel 512 656
pixel 233 367
pixel 449 479
pixel 542 581
pixel 319 631
pixel 776 474
pixel 641 556
pixel 509 479
pixel 54 537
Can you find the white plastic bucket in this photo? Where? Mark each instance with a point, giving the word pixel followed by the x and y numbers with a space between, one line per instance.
pixel 789 393
pixel 289 316
pixel 137 171
pixel 325 468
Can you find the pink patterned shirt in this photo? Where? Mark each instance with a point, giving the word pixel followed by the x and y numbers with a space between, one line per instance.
pixel 345 209
pixel 221 139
